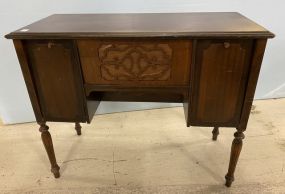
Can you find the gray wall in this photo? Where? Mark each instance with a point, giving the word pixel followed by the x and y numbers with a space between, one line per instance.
pixel 15 106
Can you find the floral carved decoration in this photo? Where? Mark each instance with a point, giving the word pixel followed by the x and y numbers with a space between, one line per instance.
pixel 135 62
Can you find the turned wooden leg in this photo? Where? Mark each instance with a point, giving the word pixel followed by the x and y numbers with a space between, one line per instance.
pixel 215 133
pixel 47 141
pixel 235 152
pixel 78 128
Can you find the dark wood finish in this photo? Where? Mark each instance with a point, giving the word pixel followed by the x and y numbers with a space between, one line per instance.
pixel 235 152
pixel 258 53
pixel 136 94
pixel 173 89
pixel 135 62
pixel 57 81
pixel 47 141
pixel 89 111
pixel 215 133
pixel 248 99
pixel 130 96
pixel 221 68
pixel 78 128
pixel 209 24
pixel 28 77
pixel 187 102
pixel 210 62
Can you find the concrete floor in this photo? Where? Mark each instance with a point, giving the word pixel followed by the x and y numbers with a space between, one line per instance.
pixel 148 151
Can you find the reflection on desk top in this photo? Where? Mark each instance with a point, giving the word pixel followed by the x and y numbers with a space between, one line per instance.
pixel 207 24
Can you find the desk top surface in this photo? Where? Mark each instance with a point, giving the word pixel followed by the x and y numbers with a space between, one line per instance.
pixel 207 24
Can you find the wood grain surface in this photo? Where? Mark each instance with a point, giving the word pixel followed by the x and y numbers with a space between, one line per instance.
pixel 207 24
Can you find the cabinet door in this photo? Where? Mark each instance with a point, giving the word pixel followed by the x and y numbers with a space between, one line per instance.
pixel 58 81
pixel 219 82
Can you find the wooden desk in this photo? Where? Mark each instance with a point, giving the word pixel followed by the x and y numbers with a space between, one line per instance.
pixel 210 62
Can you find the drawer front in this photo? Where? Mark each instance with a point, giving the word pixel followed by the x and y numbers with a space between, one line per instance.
pixel 135 62
pixel 219 84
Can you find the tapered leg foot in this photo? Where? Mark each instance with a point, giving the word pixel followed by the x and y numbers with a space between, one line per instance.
pixel 78 128
pixel 229 181
pixel 215 133
pixel 55 171
pixel 47 141
pixel 235 152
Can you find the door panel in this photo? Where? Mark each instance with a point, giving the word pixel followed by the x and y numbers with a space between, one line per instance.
pixel 57 77
pixel 221 70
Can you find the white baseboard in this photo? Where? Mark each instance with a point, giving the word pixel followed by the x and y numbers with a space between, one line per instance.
pixel 278 92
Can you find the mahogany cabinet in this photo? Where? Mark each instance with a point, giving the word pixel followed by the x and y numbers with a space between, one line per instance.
pixel 210 62
pixel 221 70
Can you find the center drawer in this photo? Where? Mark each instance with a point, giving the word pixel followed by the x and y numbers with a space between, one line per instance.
pixel 135 62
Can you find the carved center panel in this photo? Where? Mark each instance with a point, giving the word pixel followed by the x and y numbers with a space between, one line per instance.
pixel 137 62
